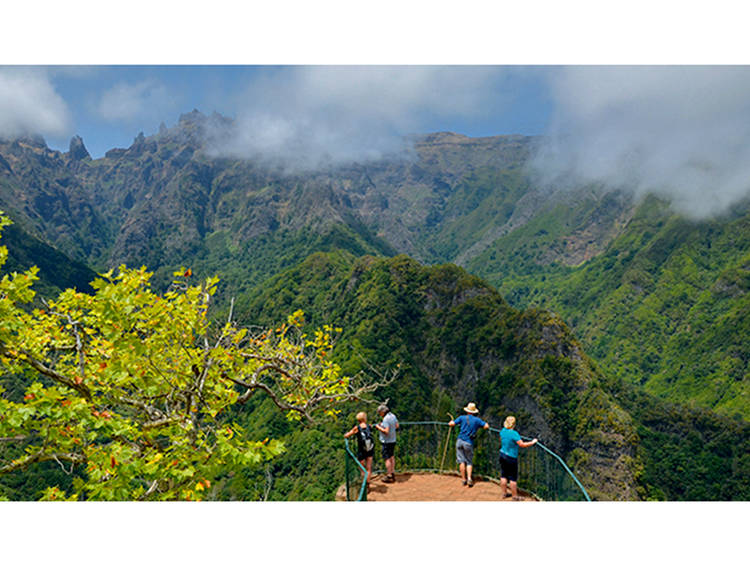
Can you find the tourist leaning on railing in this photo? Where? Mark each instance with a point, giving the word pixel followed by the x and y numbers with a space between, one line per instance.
pixel 365 443
pixel 469 424
pixel 510 441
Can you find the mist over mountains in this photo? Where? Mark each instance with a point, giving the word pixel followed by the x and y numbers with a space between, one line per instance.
pixel 677 132
pixel 647 293
pixel 680 133
pixel 175 199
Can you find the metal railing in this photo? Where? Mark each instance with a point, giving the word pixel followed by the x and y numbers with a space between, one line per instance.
pixel 429 446
pixel 356 476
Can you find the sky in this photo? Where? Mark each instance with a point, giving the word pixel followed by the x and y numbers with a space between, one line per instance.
pixel 109 105
pixel 681 132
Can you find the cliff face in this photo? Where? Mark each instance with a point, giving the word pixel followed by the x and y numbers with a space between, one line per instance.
pixel 161 200
pixel 448 332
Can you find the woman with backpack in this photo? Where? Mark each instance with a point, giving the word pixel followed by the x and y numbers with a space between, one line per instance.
pixel 365 442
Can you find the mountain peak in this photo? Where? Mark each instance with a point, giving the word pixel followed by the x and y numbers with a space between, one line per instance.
pixel 33 140
pixel 194 116
pixel 77 149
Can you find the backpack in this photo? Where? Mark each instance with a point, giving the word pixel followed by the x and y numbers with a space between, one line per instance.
pixel 364 438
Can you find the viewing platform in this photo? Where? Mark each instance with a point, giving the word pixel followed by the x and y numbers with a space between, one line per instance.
pixel 426 470
pixel 426 486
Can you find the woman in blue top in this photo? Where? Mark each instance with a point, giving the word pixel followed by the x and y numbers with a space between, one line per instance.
pixel 510 441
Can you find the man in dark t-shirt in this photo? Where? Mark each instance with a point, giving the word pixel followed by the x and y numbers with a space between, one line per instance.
pixel 468 424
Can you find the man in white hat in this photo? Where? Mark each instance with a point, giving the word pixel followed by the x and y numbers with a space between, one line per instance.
pixel 469 425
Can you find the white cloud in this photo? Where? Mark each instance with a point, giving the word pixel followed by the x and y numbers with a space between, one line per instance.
pixel 680 132
pixel 303 116
pixel 129 102
pixel 29 104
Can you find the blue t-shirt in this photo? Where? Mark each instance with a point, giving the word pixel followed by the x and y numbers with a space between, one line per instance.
pixel 509 438
pixel 468 424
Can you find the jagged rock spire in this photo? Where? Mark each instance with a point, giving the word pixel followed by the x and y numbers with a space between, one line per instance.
pixel 77 150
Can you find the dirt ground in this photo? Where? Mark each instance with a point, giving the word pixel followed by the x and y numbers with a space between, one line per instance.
pixel 435 487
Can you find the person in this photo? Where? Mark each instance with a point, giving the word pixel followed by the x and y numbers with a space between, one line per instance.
pixel 510 441
pixel 469 424
pixel 387 435
pixel 365 442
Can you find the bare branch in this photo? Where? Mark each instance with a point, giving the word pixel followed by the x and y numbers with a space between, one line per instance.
pixel 266 358
pixel 272 367
pixel 269 483
pixel 43 369
pixel 14 438
pixel 41 456
pixel 62 466
pixel 154 413
pixel 160 423
pixel 251 388
pixel 158 370
pixel 151 490
pixel 79 347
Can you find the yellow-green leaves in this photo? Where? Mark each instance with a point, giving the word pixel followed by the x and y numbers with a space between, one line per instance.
pixel 134 387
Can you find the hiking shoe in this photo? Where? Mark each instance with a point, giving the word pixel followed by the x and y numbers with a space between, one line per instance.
pixel 464 482
pixel 389 478
pixel 471 483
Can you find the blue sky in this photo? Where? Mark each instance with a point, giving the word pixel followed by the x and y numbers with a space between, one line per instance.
pixel 109 105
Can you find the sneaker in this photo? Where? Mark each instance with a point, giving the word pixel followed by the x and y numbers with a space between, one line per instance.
pixel 471 483
pixel 389 478
pixel 464 482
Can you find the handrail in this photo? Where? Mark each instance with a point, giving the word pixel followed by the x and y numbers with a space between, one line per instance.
pixel 362 496
pixel 426 464
pixel 567 468
pixel 559 459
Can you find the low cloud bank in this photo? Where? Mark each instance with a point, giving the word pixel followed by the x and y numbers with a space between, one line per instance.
pixel 305 117
pixel 682 133
pixel 29 104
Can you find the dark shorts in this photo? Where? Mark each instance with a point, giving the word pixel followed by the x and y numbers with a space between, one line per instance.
pixel 362 455
pixel 509 468
pixel 388 450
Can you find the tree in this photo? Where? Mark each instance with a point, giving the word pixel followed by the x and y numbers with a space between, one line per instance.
pixel 134 389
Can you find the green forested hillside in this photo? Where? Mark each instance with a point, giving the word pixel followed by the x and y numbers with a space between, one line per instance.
pixel 664 307
pixel 56 270
pixel 456 340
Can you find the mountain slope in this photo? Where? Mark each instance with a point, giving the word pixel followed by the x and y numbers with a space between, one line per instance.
pixel 653 298
pixel 56 271
pixel 455 337
pixel 447 331
pixel 665 306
